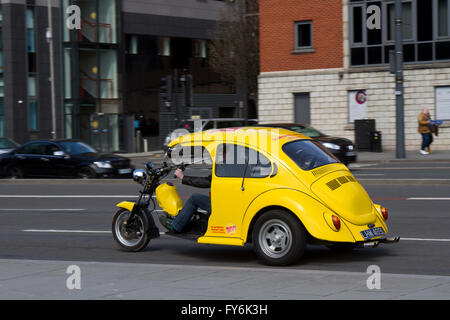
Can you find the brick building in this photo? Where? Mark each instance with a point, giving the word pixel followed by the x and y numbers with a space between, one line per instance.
pixel 322 65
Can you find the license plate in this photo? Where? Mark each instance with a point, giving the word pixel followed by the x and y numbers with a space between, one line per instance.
pixel 349 154
pixel 372 233
pixel 123 171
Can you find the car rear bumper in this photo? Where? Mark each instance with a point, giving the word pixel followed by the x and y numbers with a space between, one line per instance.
pixel 345 157
pixel 376 242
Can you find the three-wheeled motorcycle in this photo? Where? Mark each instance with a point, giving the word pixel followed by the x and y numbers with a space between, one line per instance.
pixel 271 187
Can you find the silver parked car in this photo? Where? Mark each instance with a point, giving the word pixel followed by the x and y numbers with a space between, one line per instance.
pixel 213 123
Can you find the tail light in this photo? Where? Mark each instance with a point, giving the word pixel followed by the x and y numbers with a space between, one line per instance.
pixel 384 212
pixel 336 222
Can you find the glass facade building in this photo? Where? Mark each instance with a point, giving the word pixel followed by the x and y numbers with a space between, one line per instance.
pixel 108 71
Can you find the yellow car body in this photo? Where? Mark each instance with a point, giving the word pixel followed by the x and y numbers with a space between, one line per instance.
pixel 312 196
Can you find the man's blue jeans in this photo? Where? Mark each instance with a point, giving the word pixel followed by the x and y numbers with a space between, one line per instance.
pixel 190 207
pixel 426 140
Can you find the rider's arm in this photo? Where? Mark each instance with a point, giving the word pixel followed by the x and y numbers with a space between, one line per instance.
pixel 199 182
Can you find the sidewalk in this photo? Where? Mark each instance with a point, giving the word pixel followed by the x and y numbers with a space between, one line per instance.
pixel 43 280
pixel 413 156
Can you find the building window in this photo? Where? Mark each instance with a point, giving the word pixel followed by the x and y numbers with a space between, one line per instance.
pixel 442 95
pixel 200 48
pixel 31 39
pixel 164 46
pixel 303 35
pixel 32 115
pixel 425 31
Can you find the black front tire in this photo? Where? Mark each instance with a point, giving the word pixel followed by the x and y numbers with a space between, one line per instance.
pixel 128 239
pixel 279 238
pixel 15 173
pixel 86 173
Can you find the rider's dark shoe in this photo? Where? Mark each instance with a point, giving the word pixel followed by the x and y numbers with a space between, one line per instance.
pixel 170 228
pixel 166 221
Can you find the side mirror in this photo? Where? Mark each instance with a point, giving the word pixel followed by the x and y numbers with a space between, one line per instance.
pixel 149 166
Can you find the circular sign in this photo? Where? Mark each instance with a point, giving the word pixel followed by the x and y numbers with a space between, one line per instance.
pixel 361 97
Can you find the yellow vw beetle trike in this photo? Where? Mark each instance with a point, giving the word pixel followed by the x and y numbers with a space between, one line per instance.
pixel 271 187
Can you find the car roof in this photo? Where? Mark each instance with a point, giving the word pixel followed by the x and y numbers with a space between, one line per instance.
pixel 241 134
pixel 221 119
pixel 284 125
pixel 52 141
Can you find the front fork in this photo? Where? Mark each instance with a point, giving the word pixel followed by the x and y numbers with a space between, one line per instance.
pixel 140 208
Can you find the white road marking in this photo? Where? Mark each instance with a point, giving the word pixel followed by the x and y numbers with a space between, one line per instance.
pixel 66 231
pixel 32 210
pixel 433 199
pixel 421 239
pixel 66 196
pixel 368 174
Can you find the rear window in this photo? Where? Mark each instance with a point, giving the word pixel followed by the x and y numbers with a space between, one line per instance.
pixel 308 154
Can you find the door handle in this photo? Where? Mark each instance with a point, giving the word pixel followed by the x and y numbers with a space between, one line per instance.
pixel 44 159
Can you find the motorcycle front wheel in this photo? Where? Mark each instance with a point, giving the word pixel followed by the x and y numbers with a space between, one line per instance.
pixel 130 235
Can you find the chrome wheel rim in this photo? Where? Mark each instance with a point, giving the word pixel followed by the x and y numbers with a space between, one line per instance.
pixel 126 237
pixel 275 238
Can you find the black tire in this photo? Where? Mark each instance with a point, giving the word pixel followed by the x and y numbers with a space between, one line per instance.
pixel 15 173
pixel 130 240
pixel 86 173
pixel 279 238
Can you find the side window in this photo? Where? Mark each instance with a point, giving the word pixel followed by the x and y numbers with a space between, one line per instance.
pixel 233 160
pixel 190 154
pixel 50 148
pixel 32 148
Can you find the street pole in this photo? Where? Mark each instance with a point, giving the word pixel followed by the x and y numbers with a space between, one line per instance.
pixel 399 112
pixel 52 71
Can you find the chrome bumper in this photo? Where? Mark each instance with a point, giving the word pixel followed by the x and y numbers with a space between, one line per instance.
pixel 375 243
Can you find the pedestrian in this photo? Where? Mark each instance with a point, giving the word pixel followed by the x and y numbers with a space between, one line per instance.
pixel 424 122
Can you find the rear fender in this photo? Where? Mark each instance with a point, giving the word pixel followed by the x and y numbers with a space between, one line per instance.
pixel 308 210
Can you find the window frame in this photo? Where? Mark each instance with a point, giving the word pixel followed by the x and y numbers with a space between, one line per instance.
pixel 248 172
pixel 417 45
pixel 296 33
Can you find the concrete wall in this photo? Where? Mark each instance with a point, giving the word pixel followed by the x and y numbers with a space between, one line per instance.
pixel 329 100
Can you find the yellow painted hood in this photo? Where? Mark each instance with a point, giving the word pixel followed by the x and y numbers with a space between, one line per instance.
pixel 344 195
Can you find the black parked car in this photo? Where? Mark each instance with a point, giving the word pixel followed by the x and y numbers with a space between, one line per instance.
pixel 62 158
pixel 341 148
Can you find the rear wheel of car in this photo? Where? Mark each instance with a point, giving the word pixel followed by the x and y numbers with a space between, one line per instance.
pixel 86 173
pixel 279 238
pixel 15 173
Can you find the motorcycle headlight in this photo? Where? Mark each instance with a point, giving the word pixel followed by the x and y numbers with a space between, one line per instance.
pixel 139 175
pixel 330 145
pixel 103 165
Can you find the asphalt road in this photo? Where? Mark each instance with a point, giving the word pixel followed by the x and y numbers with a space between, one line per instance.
pixel 72 222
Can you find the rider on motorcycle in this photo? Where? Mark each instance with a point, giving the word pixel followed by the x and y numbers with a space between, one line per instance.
pixel 196 201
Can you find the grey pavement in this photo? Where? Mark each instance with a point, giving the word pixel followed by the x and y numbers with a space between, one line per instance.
pixel 47 280
pixel 390 156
